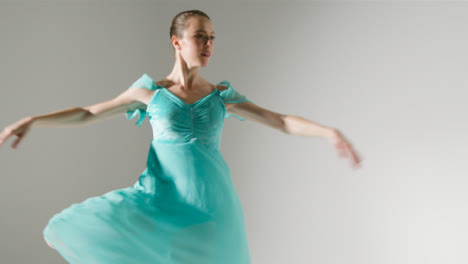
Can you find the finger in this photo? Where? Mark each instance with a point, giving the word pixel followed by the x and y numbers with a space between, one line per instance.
pixel 17 141
pixel 342 151
pixel 355 157
pixel 347 148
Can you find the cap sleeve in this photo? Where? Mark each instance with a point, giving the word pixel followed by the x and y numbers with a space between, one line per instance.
pixel 232 96
pixel 145 81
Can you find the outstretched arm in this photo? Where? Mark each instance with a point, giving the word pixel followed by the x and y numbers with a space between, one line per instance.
pixel 78 116
pixel 295 125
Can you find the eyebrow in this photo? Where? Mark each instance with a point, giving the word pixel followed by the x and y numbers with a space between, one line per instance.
pixel 203 30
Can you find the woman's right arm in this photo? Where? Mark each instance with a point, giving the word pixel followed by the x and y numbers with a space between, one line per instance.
pixel 130 99
pixel 80 116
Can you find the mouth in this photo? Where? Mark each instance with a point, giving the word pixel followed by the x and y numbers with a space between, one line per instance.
pixel 206 54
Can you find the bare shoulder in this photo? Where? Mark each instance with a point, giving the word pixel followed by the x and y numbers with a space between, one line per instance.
pixel 136 95
pixel 129 99
pixel 164 82
pixel 221 87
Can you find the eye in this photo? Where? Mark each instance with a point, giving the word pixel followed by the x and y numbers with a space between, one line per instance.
pixel 202 36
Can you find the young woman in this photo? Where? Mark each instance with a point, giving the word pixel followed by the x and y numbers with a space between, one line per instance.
pixel 184 207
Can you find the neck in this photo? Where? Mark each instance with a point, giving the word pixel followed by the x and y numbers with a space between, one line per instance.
pixel 185 75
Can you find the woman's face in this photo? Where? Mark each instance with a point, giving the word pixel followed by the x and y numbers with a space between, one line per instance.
pixel 198 39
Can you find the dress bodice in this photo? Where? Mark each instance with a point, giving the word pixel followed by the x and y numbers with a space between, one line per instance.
pixel 175 121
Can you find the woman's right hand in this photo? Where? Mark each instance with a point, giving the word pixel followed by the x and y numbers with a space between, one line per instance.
pixel 19 129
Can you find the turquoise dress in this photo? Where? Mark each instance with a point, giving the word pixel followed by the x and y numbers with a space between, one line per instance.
pixel 183 209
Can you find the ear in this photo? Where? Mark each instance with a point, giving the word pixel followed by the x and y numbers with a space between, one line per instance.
pixel 175 42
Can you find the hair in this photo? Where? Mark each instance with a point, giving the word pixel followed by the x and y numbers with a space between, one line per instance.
pixel 178 23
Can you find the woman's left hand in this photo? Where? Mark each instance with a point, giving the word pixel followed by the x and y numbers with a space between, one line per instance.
pixel 344 148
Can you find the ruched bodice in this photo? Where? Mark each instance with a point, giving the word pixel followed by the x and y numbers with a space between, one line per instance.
pixel 201 121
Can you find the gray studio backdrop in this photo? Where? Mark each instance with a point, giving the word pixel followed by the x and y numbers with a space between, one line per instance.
pixel 390 75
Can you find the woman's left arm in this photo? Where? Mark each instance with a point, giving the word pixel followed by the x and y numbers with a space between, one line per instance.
pixel 297 126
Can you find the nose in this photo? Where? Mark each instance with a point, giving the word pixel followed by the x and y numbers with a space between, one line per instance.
pixel 208 40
